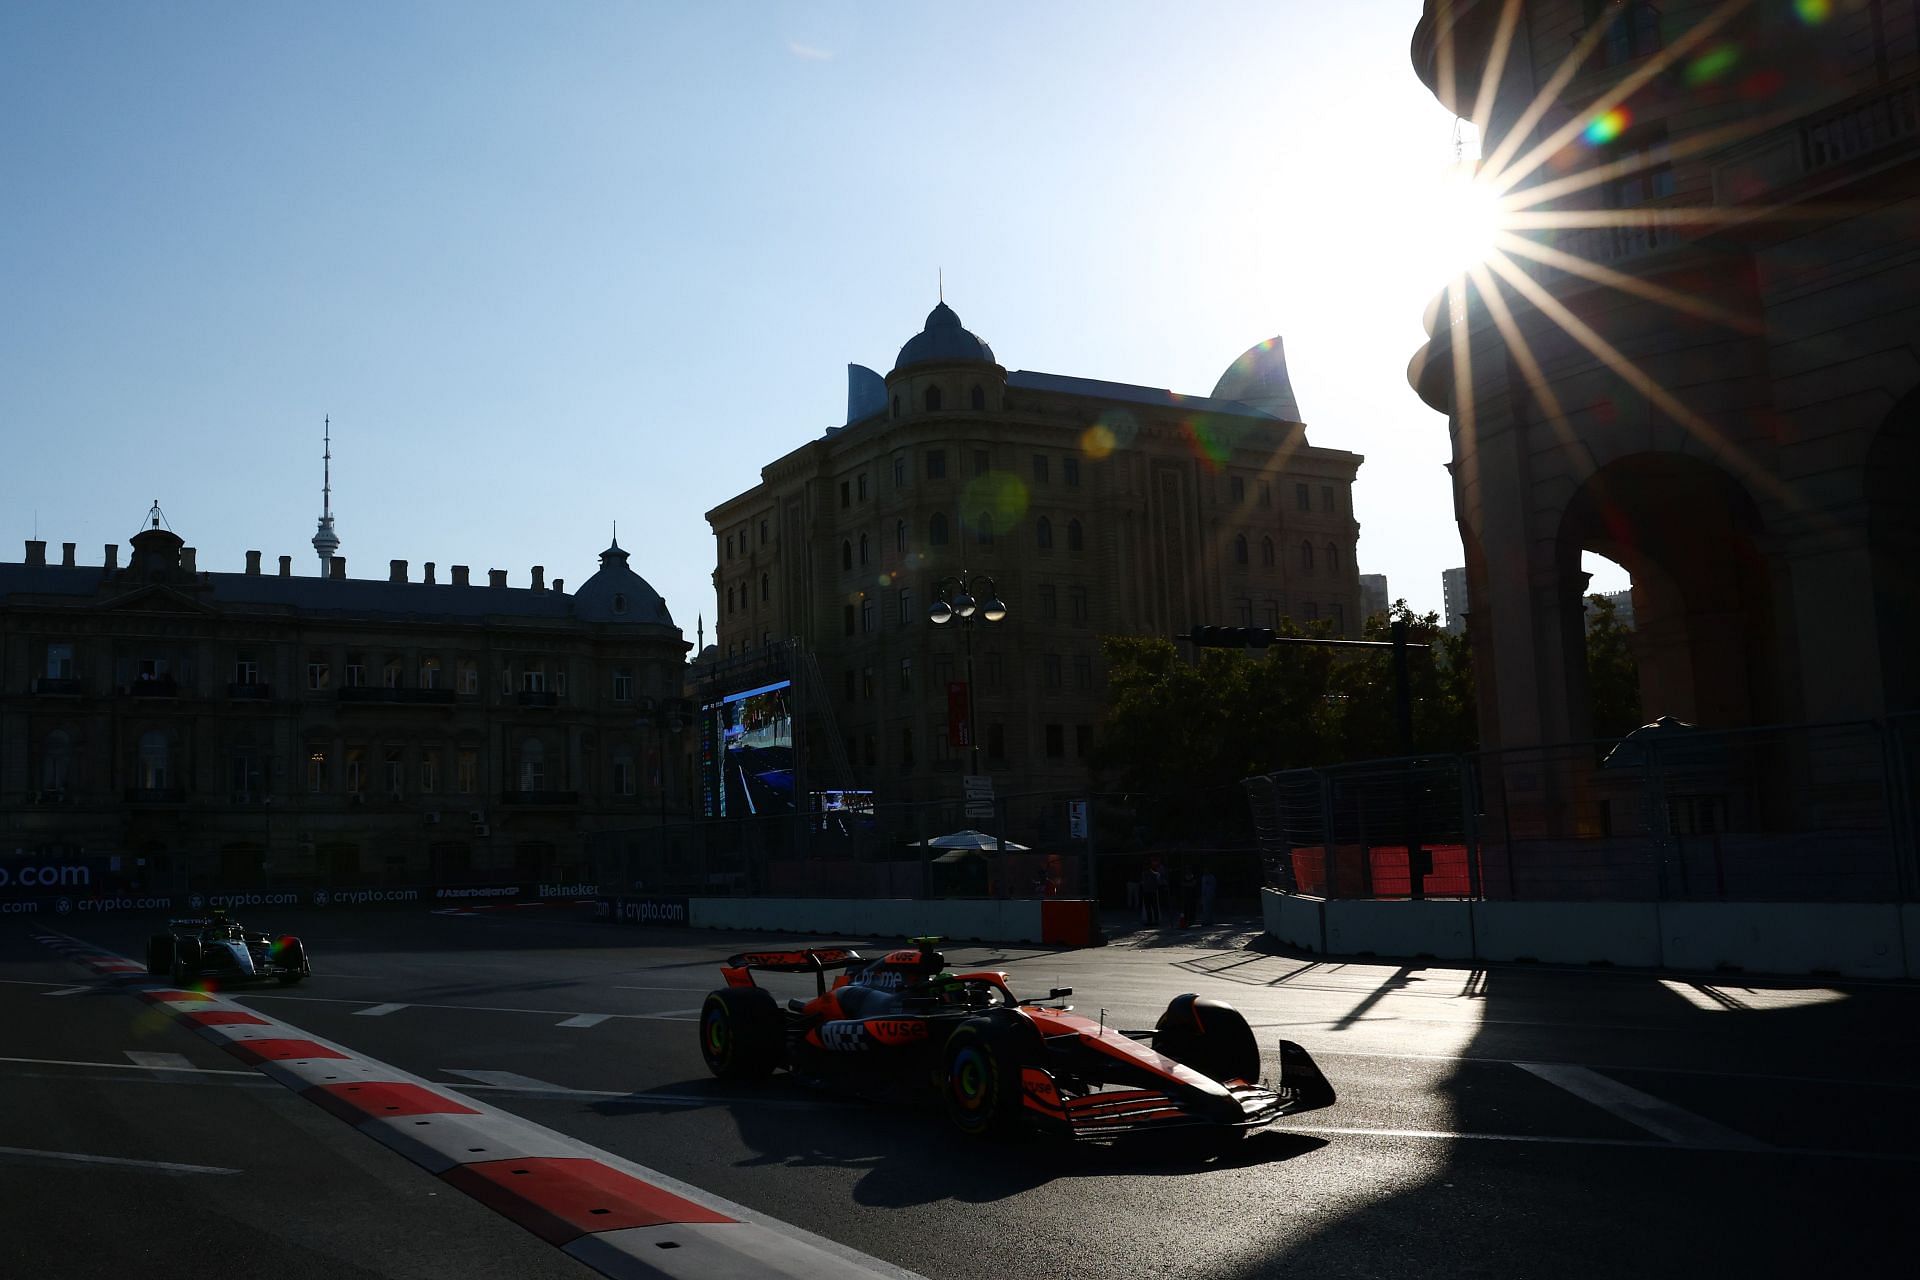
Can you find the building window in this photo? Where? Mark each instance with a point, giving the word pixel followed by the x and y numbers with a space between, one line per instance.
pixel 1240 548
pixel 763 533
pixel 429 770
pixel 1266 494
pixel 900 537
pixel 56 756
pixel 469 677
pixel 623 685
pixel 933 404
pixel 246 668
pixel 316 769
pixel 356 770
pixel 466 771
pixel 846 495
pixel 863 549
pixel 533 680
pixel 1633 32
pixel 860 486
pixel 848 618
pixel 623 775
pixel 937 530
pixel 1306 557
pixel 906 605
pixel 1083 671
pixel 936 464
pixel 1049 602
pixel 729 546
pixel 866 614
pixel 866 683
pixel 977 397
pixel 1327 500
pixel 1077 605
pixel 900 471
pixel 1237 488
pixel 395 771
pixel 1070 472
pixel 906 675
pixel 981 462
pixel 60 661
pixel 1333 558
pixel 765 586
pixel 390 674
pixel 1056 742
pixel 1050 670
pixel 319 671
pixel 1076 536
pixel 896 406
pixel 1040 468
pixel 355 675
pixel 1338 612
pixel 533 765
pixel 1303 497
pixel 430 673
pixel 846 560
pixel 983 529
pixel 1043 534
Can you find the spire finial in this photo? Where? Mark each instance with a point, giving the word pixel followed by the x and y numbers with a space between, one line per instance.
pixel 941 281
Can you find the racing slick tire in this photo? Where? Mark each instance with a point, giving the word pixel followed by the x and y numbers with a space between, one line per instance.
pixel 983 1060
pixel 742 1033
pixel 1209 1036
pixel 292 956
pixel 186 960
pixel 160 954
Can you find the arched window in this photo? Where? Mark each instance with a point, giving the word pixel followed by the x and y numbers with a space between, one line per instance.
pixel 1076 539
pixel 763 588
pixel 1266 552
pixel 533 765
pixel 896 406
pixel 863 548
pixel 933 399
pixel 1239 548
pixel 153 771
pixel 937 530
pixel 900 536
pixel 1306 556
pixel 1043 533
pixel 846 555
pixel 55 759
pixel 978 397
pixel 1333 558
pixel 983 531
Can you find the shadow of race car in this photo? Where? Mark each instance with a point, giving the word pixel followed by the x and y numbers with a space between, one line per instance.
pixel 214 946
pixel 999 1063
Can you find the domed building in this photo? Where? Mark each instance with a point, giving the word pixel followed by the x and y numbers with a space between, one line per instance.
pixel 1096 508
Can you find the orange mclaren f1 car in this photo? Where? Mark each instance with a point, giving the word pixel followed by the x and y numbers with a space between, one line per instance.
pixel 1000 1063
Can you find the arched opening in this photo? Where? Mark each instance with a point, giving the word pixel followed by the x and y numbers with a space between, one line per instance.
pixel 1239 548
pixel 1076 536
pixel 1043 534
pixel 153 770
pixel 978 397
pixel 846 555
pixel 1893 543
pixel 933 399
pixel 937 530
pixel 1690 539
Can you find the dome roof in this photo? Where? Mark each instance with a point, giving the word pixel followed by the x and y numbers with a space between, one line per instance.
pixel 617 594
pixel 1259 378
pixel 942 340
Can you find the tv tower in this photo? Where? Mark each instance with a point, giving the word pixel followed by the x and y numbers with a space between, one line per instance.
pixel 326 541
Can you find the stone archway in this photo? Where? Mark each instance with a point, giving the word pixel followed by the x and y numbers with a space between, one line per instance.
pixel 1703 597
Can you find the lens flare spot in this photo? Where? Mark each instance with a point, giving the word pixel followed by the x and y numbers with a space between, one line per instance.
pixel 1096 441
pixel 1713 65
pixel 1813 12
pixel 999 497
pixel 1208 443
pixel 1607 126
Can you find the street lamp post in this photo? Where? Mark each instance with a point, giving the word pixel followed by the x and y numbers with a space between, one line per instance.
pixel 965 598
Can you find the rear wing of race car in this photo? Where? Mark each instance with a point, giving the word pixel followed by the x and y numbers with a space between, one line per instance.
pixel 738 969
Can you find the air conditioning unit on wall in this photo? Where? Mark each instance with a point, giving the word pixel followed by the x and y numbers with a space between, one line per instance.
pixel 482 829
pixel 477 815
pixel 433 815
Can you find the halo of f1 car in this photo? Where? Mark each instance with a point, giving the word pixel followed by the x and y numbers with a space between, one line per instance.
pixel 1001 1064
pixel 219 948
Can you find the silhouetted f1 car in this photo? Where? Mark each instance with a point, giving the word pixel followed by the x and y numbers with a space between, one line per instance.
pixel 215 947
pixel 999 1062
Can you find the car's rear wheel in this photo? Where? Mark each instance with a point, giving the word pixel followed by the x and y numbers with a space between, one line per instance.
pixel 186 960
pixel 160 953
pixel 984 1058
pixel 1209 1036
pixel 741 1033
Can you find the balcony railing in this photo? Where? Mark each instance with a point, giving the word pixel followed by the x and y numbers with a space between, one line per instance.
pixel 154 687
pixel 540 797
pixel 537 698
pixel 393 696
pixel 65 686
pixel 156 795
pixel 249 690
pixel 1823 141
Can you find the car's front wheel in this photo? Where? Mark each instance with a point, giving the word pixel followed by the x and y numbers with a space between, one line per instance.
pixel 741 1033
pixel 1209 1036
pixel 291 955
pixel 186 960
pixel 984 1058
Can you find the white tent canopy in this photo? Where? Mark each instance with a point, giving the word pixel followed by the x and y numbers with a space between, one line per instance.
pixel 976 841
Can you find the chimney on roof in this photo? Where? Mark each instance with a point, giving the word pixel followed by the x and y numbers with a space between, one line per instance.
pixel 286 566
pixel 112 560
pixel 496 577
pixel 430 577
pixel 187 558
pixel 337 568
pixel 560 586
pixel 66 554
pixel 539 577
pixel 396 571
pixel 460 576
pixel 36 552
pixel 253 564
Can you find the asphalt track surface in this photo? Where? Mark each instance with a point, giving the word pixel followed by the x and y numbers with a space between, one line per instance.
pixel 1513 1121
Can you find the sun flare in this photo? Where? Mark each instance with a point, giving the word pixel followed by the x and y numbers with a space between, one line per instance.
pixel 1468 219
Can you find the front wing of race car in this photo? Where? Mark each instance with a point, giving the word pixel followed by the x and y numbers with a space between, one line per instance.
pixel 1056 1101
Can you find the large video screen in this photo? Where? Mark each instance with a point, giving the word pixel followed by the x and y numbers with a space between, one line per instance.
pixel 748 749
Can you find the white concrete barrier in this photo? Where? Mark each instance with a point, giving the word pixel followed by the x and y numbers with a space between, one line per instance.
pixel 1294 920
pixel 1857 940
pixel 1443 930
pixel 960 919
pixel 1622 933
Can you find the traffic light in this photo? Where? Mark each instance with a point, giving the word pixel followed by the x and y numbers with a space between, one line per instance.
pixel 1204 637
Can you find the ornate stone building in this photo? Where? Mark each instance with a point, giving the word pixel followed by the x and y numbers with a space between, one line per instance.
pixel 1703 360
pixel 1098 509
pixel 175 729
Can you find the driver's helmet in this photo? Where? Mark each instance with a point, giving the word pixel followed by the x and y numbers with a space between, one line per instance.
pixel 947 988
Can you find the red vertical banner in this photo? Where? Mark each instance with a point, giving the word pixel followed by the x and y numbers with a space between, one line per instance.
pixel 959 728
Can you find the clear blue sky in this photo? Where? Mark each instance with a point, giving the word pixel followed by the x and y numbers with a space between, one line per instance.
pixel 549 267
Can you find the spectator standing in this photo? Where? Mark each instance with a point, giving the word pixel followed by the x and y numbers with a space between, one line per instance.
pixel 1209 888
pixel 1189 897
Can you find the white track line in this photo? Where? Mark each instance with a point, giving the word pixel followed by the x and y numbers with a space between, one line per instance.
pixel 131 1066
pixel 159 1061
pixel 158 1166
pixel 506 1080
pixel 585 1020
pixel 1649 1068
pixel 1634 1144
pixel 68 991
pixel 1661 1119
pixel 378 1010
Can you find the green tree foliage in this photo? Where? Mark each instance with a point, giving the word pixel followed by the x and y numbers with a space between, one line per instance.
pixel 1192 729
pixel 1613 678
